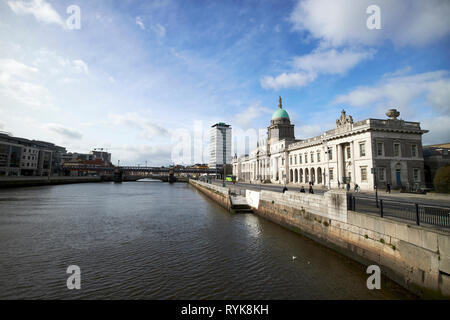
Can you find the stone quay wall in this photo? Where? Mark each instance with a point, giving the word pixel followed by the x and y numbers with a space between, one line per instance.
pixel 216 193
pixel 12 182
pixel 416 257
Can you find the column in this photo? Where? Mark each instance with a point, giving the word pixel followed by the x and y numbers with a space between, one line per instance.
pixel 286 167
pixel 352 149
pixel 340 163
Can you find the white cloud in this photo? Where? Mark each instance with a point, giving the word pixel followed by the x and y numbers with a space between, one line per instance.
pixel 401 72
pixel 40 9
pixel 309 67
pixel 343 22
pixel 134 120
pixel 307 131
pixel 253 112
pixel 64 131
pixel 331 61
pixel 140 23
pixel 17 82
pixel 133 155
pixel 287 80
pixel 439 130
pixel 401 91
pixel 159 30
pixel 79 66
pixel 439 95
pixel 54 64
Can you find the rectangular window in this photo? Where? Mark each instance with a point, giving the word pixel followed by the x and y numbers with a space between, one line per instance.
pixel 300 158
pixel 330 154
pixel 396 150
pixel 364 174
pixel 348 152
pixel 380 147
pixel 414 150
pixel 318 156
pixel 331 175
pixel 306 158
pixel 295 157
pixel 362 149
pixel 416 173
pixel 381 174
pixel 312 157
pixel 290 160
pixel 282 161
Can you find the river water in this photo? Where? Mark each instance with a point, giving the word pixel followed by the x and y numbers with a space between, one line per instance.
pixel 153 240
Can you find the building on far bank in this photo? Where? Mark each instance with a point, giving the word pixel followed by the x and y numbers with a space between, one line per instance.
pixel 23 157
pixel 81 164
pixel 220 145
pixel 102 154
pixel 367 152
pixel 435 157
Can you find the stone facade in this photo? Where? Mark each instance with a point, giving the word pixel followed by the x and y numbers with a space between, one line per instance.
pixel 368 153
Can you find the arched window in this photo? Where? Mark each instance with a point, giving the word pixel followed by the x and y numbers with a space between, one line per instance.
pixel 296 176
pixel 291 176
pixel 301 175
pixel 319 175
pixel 313 175
pixel 306 175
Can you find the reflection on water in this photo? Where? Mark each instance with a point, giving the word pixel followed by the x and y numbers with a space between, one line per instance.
pixel 153 240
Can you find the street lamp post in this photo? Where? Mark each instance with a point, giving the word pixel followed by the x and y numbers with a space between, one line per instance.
pixel 327 150
pixel 374 172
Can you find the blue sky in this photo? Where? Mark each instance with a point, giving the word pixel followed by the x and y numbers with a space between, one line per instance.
pixel 138 74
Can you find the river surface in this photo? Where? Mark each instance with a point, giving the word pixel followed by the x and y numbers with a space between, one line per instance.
pixel 153 240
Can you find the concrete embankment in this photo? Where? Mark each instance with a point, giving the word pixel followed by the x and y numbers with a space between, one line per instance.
pixel 218 194
pixel 416 257
pixel 12 182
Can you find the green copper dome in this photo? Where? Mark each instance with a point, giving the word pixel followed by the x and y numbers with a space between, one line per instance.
pixel 280 113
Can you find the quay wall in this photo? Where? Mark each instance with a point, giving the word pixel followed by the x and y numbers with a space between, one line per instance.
pixel 12 182
pixel 416 257
pixel 216 193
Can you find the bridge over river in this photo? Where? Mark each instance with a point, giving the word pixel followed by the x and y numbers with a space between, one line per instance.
pixel 126 173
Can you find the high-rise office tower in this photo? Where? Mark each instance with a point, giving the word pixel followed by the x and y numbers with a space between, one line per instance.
pixel 220 145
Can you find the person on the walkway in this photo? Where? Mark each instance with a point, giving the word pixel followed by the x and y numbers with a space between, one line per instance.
pixel 388 188
pixel 339 184
pixel 302 189
pixel 285 189
pixel 356 188
pixel 311 190
pixel 348 187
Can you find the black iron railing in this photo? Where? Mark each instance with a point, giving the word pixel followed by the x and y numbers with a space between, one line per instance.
pixel 408 211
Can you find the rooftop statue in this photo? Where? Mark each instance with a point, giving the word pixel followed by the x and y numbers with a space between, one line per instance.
pixel 344 119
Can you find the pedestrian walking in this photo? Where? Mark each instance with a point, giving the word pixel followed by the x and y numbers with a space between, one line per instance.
pixel 348 187
pixel 388 188
pixel 285 189
pixel 356 188
pixel 302 189
pixel 311 190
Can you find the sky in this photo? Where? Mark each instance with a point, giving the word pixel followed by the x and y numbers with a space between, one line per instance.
pixel 146 79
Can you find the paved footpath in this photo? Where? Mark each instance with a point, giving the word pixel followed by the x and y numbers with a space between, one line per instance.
pixel 434 199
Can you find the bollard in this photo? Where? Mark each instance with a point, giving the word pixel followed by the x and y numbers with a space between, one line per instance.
pixel 417 214
pixel 381 208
